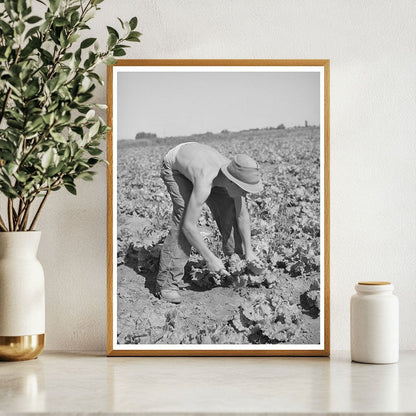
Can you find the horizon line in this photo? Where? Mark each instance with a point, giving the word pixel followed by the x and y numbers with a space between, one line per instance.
pixel 219 132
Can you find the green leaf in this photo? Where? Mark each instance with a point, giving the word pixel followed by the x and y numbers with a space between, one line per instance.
pixel 90 115
pixel 6 29
pixel 112 40
pixel 58 137
pixel 70 188
pixel 10 7
pixel 73 38
pixel 111 30
pixel 94 129
pixel 86 176
pixel 119 52
pixel 89 15
pixel 47 158
pixel 87 42
pixel 61 21
pixel 133 23
pixel 134 37
pixel 33 19
pixel 54 4
pixel 67 153
pixel 53 83
pixel 11 168
pixel 64 93
pixel 110 60
pixel 33 44
pixel 46 56
pixel 77 130
pixel 21 6
pixel 52 171
pixel 62 39
pixel 31 90
pixel 94 151
pixel 7 52
pixel 26 11
pixel 35 125
pixel 67 56
pixel 82 166
pixel 63 119
pixel 92 161
pixel 134 34
pixel 82 98
pixel 48 118
pixel 21 177
pixel 96 77
pixel 6 146
pixel 74 18
pixel 8 190
pixel 20 28
pixel 16 124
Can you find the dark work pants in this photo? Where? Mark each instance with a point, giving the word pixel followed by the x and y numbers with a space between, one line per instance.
pixel 176 248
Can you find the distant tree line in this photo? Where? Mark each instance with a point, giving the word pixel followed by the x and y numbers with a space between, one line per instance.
pixel 144 135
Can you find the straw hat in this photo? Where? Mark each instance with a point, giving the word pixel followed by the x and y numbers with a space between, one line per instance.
pixel 244 172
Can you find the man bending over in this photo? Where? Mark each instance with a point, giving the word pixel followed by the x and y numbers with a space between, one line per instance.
pixel 195 174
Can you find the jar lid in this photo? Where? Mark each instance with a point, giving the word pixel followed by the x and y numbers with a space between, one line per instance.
pixel 373 287
pixel 374 283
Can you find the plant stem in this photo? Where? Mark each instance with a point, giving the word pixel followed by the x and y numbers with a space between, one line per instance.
pixel 26 216
pixel 39 209
pixel 17 216
pixel 2 224
pixel 10 213
pixel 20 214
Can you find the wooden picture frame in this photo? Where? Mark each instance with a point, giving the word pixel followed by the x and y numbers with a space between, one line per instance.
pixel 131 304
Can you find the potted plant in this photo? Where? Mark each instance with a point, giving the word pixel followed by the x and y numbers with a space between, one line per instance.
pixel 50 136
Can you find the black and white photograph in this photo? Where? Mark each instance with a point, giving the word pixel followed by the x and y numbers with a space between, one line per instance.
pixel 218 214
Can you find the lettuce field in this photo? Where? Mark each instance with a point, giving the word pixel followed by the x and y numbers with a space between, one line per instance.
pixel 277 301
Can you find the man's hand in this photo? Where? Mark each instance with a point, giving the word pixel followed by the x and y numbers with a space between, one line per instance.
pixel 254 264
pixel 215 265
pixel 251 256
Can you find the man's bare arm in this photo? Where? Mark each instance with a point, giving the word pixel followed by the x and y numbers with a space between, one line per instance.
pixel 244 225
pixel 198 197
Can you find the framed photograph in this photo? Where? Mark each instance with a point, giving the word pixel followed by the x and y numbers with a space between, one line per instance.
pixel 218 208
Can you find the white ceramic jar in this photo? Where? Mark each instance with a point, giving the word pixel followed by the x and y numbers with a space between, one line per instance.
pixel 374 323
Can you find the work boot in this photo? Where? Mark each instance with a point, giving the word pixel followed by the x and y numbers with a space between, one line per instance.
pixel 170 295
pixel 182 285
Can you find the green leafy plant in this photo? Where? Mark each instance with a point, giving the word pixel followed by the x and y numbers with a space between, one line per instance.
pixel 50 134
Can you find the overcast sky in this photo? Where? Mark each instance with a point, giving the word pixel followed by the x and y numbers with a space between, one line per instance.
pixel 183 103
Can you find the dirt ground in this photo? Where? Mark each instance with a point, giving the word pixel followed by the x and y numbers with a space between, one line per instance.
pixel 220 315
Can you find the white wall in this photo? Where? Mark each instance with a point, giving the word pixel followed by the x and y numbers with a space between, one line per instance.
pixel 371 45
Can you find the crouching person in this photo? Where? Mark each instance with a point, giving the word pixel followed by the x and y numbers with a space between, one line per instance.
pixel 195 174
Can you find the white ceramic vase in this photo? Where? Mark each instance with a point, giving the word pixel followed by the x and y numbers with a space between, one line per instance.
pixel 22 296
